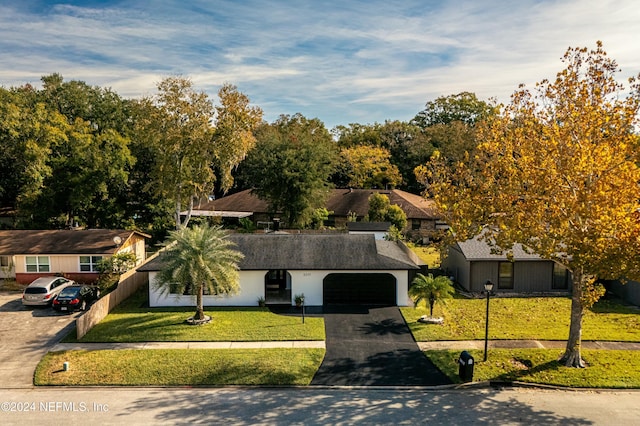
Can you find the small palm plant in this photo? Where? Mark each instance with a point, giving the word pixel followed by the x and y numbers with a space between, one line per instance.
pixel 196 259
pixel 431 289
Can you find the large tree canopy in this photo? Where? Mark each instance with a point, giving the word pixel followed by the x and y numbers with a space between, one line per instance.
pixel 407 144
pixel 233 137
pixel 65 154
pixel 187 138
pixel 557 171
pixel 464 107
pixel 369 167
pixel 290 166
pixel 178 124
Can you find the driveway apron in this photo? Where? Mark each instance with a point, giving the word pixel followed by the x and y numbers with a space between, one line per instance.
pixel 372 346
pixel 26 334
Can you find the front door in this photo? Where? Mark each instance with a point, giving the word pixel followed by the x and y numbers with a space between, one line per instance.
pixel 277 286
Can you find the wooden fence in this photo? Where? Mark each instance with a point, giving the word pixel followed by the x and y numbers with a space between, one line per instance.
pixel 128 284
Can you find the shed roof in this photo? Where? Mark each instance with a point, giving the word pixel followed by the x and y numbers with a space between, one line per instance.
pixel 314 252
pixel 48 242
pixel 476 250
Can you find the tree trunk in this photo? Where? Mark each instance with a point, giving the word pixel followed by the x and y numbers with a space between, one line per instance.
pixel 432 301
pixel 572 356
pixel 199 316
pixel 187 217
pixel 176 213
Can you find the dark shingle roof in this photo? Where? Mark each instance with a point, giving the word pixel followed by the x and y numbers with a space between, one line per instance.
pixel 341 202
pixel 314 252
pixel 86 241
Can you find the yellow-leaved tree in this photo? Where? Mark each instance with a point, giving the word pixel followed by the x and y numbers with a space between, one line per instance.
pixel 556 171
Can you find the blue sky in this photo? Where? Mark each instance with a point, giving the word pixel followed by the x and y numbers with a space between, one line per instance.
pixel 340 61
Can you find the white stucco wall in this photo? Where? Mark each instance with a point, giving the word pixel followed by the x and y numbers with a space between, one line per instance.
pixel 252 287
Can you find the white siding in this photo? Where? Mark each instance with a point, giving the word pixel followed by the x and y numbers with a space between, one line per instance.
pixel 252 287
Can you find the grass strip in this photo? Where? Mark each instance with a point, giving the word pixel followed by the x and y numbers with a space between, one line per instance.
pixel 229 324
pixel 542 318
pixel 606 369
pixel 180 367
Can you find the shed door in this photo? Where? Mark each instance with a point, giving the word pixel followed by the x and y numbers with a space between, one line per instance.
pixel 359 289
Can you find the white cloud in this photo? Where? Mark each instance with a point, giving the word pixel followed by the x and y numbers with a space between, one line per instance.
pixel 339 61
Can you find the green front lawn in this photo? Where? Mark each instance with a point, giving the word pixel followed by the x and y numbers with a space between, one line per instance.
pixel 228 324
pixel 541 318
pixel 131 323
pixel 606 369
pixel 180 367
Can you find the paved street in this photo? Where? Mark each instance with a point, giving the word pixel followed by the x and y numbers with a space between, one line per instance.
pixel 26 334
pixel 308 406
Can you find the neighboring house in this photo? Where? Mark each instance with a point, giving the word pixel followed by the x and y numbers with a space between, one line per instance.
pixel 423 218
pixel 471 263
pixel 28 254
pixel 328 269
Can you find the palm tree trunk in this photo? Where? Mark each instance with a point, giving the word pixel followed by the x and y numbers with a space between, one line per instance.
pixel 199 316
pixel 572 356
pixel 432 301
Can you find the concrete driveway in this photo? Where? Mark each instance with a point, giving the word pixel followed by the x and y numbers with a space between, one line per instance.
pixel 26 333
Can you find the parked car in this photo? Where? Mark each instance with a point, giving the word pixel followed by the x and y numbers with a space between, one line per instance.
pixel 76 297
pixel 43 290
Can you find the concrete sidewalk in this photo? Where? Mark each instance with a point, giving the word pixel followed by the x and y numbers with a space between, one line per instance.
pixel 525 344
pixel 299 344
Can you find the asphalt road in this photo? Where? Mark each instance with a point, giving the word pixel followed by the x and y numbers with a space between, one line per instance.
pixel 310 406
pixel 25 335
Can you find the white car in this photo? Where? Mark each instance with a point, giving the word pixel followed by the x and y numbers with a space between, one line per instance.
pixel 43 290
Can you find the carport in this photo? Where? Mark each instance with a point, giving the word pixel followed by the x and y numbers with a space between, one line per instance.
pixel 359 289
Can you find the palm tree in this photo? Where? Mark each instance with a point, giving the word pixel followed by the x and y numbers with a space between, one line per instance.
pixel 198 259
pixel 430 288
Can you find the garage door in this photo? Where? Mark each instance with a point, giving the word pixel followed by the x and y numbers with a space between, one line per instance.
pixel 359 289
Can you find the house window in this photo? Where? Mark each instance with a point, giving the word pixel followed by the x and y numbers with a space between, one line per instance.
pixel 89 263
pixel 415 224
pixel 505 275
pixel 560 277
pixel 4 261
pixel 37 264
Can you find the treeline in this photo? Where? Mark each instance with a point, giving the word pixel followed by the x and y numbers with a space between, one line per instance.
pixel 72 154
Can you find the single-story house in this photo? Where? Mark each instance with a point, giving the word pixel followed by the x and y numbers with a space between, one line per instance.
pixel 28 254
pixel 471 263
pixel 423 217
pixel 326 268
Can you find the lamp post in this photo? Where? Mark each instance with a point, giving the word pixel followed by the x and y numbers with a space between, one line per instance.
pixel 488 286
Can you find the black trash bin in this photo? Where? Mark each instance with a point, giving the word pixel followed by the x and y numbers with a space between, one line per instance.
pixel 465 366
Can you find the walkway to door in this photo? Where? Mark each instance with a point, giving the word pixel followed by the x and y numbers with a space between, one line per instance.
pixel 372 346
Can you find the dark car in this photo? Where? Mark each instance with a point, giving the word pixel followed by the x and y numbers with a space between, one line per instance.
pixel 75 297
